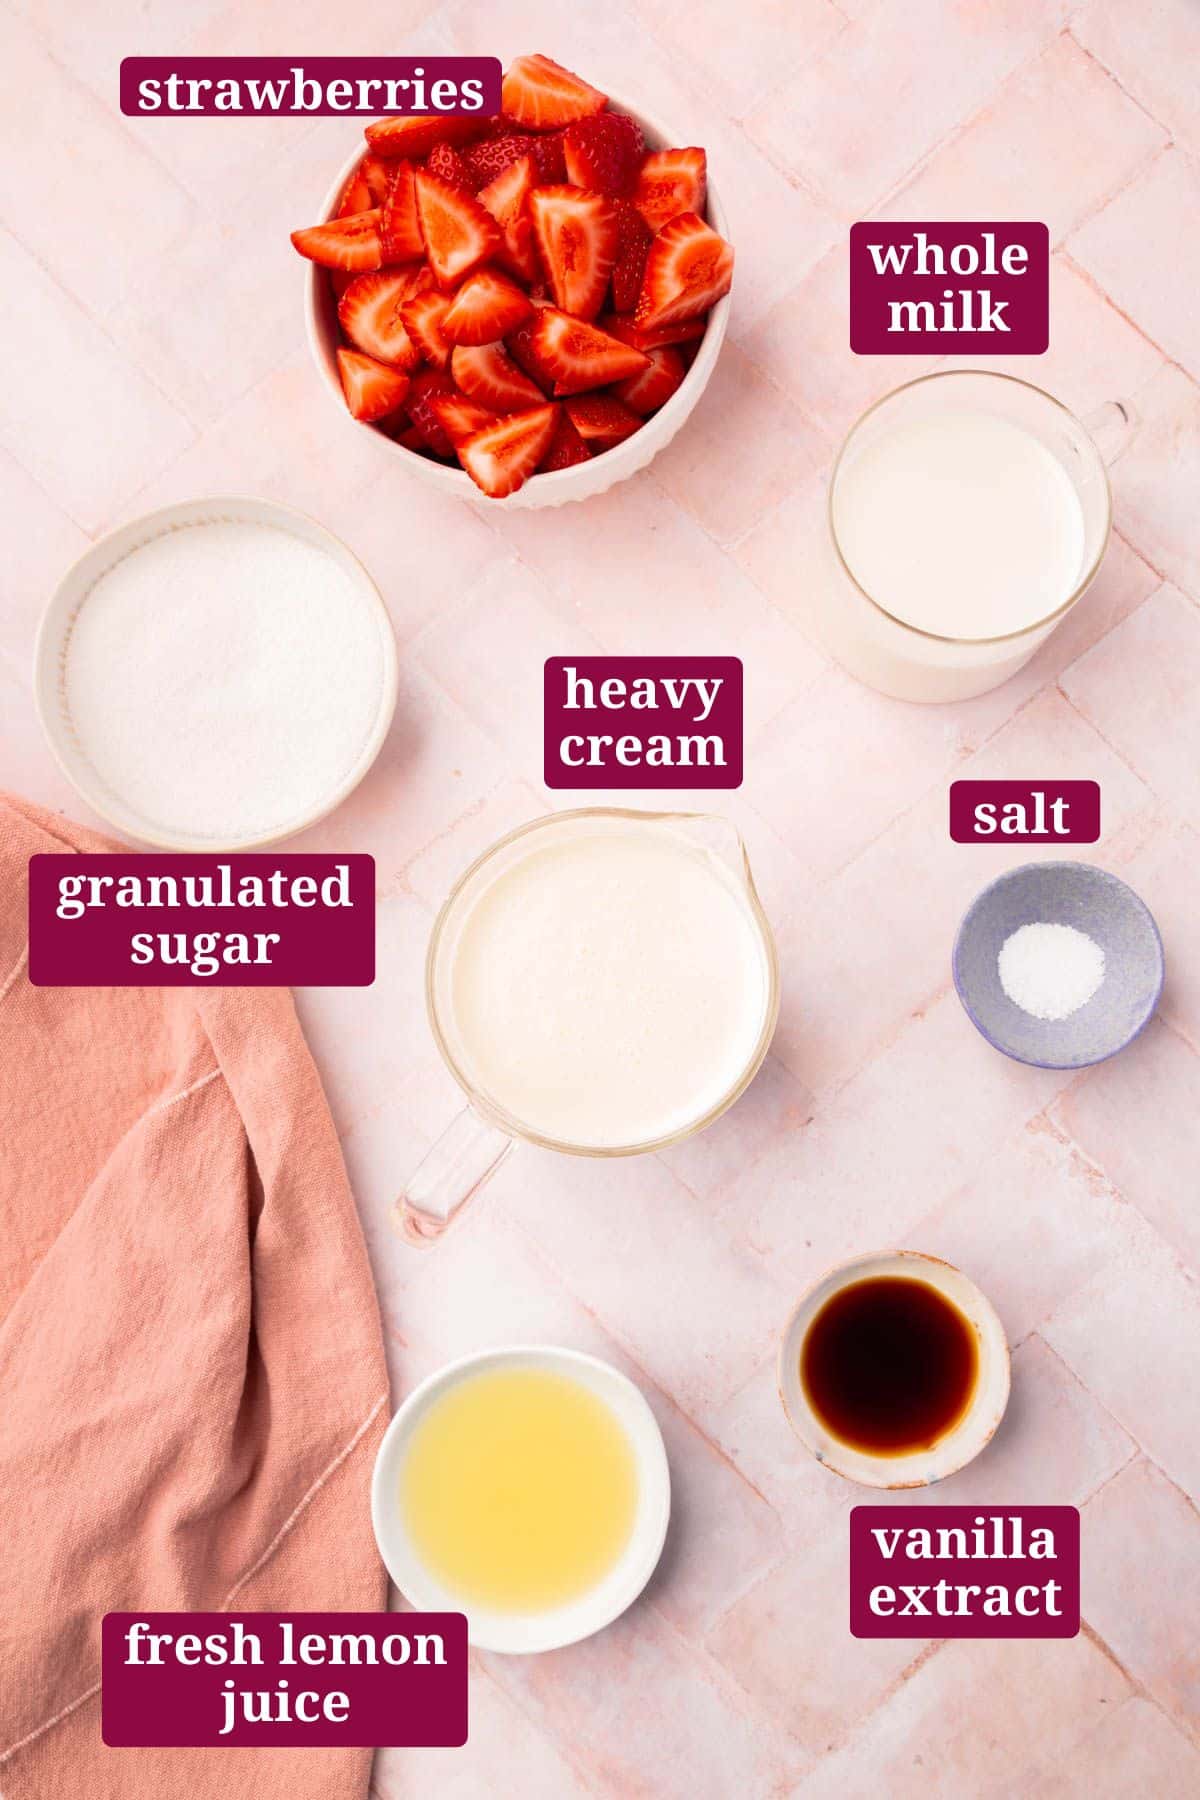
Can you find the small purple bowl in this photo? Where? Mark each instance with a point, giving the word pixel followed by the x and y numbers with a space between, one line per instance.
pixel 1093 901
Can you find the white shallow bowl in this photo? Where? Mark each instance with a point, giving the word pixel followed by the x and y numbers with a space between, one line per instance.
pixel 525 1633
pixel 558 486
pixel 50 658
pixel 961 1445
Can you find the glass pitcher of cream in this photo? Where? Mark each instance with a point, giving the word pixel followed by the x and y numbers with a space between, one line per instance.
pixel 600 982
pixel 968 513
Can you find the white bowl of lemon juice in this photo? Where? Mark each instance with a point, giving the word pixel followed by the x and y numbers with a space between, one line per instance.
pixel 526 1487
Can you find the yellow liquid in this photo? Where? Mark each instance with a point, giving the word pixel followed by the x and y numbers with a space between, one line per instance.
pixel 519 1489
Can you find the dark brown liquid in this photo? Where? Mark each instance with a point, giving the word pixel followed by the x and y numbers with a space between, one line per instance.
pixel 888 1365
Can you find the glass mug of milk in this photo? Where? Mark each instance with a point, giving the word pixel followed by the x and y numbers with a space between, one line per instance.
pixel 599 982
pixel 968 512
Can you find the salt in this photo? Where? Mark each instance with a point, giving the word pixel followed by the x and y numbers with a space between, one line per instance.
pixel 1050 971
pixel 225 680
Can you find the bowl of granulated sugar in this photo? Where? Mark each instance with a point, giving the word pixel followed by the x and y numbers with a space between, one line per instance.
pixel 1059 964
pixel 217 675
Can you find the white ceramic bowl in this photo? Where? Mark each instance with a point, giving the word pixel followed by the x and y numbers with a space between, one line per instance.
pixel 959 1446
pixel 54 636
pixel 557 486
pixel 524 1633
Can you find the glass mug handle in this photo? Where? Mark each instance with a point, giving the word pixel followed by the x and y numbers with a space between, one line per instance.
pixel 1112 428
pixel 453 1170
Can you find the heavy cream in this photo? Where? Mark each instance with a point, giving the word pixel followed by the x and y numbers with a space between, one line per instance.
pixel 610 982
pixel 960 523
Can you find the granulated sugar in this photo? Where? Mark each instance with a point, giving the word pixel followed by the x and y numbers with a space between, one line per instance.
pixel 1050 971
pixel 225 679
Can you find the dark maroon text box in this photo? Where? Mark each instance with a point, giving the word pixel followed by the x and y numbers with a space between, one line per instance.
pixel 410 1703
pixel 705 753
pixel 903 277
pixel 872 1572
pixel 326 944
pixel 308 86
pixel 1026 812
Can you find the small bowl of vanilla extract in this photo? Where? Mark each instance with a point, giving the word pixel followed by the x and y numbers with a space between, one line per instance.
pixel 894 1370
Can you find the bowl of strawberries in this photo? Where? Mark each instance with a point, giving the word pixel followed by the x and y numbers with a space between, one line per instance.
pixel 526 306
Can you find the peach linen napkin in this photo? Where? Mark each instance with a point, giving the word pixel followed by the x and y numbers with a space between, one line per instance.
pixel 192 1381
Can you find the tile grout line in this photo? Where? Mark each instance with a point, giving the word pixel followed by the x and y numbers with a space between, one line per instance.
pixel 1069 31
pixel 1168 357
pixel 1160 800
pixel 1135 173
pixel 98 324
pixel 542 1258
pixel 1066 1137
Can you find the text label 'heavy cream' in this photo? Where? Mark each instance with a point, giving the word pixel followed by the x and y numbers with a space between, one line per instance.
pixel 643 722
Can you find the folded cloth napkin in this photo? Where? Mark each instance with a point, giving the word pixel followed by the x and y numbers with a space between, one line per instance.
pixel 192 1380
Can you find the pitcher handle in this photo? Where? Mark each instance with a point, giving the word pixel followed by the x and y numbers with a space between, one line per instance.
pixel 1112 428
pixel 453 1170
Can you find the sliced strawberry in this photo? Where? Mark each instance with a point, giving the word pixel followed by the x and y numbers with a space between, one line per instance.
pixel 580 356
pixel 459 233
pixel 550 157
pixel 445 161
pixel 429 386
pixel 576 234
pixel 400 228
pixel 369 314
pixel 547 149
pixel 356 195
pixel 566 448
pixel 489 375
pixel 459 416
pixel 522 346
pixel 416 136
pixel 371 388
pixel 633 241
pixel 487 306
pixel 506 196
pixel 685 332
pixel 349 243
pixel 378 177
pixel 501 456
pixel 688 268
pixel 487 160
pixel 422 317
pixel 411 437
pixel 604 152
pixel 507 199
pixel 541 94
pixel 670 182
pixel 600 420
pixel 646 392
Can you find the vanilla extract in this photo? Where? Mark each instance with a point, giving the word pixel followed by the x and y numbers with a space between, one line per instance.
pixel 889 1365
pixel 998 1538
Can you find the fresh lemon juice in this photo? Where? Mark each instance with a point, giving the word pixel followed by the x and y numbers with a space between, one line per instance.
pixel 519 1489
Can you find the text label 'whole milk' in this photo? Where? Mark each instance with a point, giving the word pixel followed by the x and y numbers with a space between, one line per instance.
pixel 946 289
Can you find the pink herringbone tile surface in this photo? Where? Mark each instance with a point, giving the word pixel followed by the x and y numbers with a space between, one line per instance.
pixel 153 308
